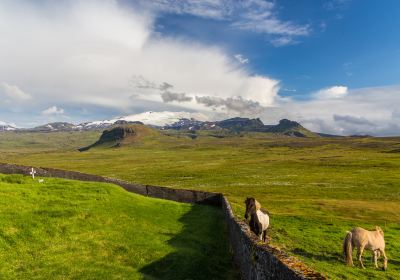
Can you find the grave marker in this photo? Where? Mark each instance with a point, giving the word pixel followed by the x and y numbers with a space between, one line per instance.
pixel 33 172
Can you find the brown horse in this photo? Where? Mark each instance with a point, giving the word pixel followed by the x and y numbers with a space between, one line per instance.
pixel 364 239
pixel 259 220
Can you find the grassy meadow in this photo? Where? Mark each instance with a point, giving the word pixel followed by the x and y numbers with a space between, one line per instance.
pixel 315 188
pixel 65 229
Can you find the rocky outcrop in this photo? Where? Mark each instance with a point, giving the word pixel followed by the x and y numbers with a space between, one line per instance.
pixel 112 137
pixel 117 136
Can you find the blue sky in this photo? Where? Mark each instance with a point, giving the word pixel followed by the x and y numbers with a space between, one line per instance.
pixel 332 65
pixel 352 42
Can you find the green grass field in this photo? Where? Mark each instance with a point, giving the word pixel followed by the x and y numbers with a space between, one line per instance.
pixel 64 229
pixel 315 188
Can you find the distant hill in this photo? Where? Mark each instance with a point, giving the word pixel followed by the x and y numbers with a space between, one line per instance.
pixel 242 124
pixel 55 126
pixel 290 128
pixel 285 127
pixel 119 135
pixel 7 127
pixel 330 135
pixel 64 126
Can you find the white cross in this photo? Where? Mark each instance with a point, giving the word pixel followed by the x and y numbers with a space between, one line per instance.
pixel 33 172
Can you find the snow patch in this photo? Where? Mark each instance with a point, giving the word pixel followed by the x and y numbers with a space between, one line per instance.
pixel 152 118
pixel 7 127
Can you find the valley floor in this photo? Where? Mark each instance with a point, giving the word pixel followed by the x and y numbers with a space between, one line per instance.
pixel 315 188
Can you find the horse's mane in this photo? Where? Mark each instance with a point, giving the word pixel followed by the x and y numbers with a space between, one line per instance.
pixel 378 229
pixel 258 207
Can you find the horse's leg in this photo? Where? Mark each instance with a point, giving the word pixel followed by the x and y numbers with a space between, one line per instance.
pixel 376 255
pixel 360 251
pixel 261 237
pixel 385 259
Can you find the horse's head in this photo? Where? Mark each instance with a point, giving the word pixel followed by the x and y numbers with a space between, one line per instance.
pixel 250 206
pixel 378 229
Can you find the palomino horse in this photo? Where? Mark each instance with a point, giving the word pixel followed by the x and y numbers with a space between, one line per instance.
pixel 259 220
pixel 364 239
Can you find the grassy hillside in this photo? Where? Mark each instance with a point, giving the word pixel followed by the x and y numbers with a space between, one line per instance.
pixel 316 189
pixel 21 142
pixel 64 229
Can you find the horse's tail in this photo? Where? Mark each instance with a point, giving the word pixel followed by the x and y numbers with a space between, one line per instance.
pixel 348 248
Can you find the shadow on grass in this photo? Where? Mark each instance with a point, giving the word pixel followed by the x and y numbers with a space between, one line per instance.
pixel 334 257
pixel 393 262
pixel 201 249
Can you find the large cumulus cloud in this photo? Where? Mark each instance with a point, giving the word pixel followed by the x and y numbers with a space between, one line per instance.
pixel 79 54
pixel 343 111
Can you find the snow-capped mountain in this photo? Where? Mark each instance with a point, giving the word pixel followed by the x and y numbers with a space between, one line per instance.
pixel 159 119
pixel 6 127
pixel 56 126
pixel 177 121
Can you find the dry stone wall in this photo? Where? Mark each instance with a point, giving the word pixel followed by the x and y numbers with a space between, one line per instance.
pixel 258 260
pixel 188 196
pixel 254 259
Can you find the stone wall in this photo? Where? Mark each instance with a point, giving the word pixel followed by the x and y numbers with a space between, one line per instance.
pixel 254 259
pixel 188 196
pixel 258 260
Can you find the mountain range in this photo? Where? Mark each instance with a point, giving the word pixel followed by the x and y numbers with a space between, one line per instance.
pixel 177 121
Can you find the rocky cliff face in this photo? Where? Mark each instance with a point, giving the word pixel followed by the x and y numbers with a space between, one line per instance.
pixel 122 134
pixel 116 134
pixel 242 124
pixel 112 137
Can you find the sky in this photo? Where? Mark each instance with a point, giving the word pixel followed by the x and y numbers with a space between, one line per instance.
pixel 332 65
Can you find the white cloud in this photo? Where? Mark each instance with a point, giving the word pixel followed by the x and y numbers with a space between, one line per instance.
pixel 371 111
pixel 283 41
pixel 289 89
pixel 356 120
pixel 336 4
pixel 53 110
pixel 13 92
pixel 265 23
pixel 214 9
pixel 332 92
pixel 261 16
pixel 241 58
pixel 85 53
pixel 252 15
